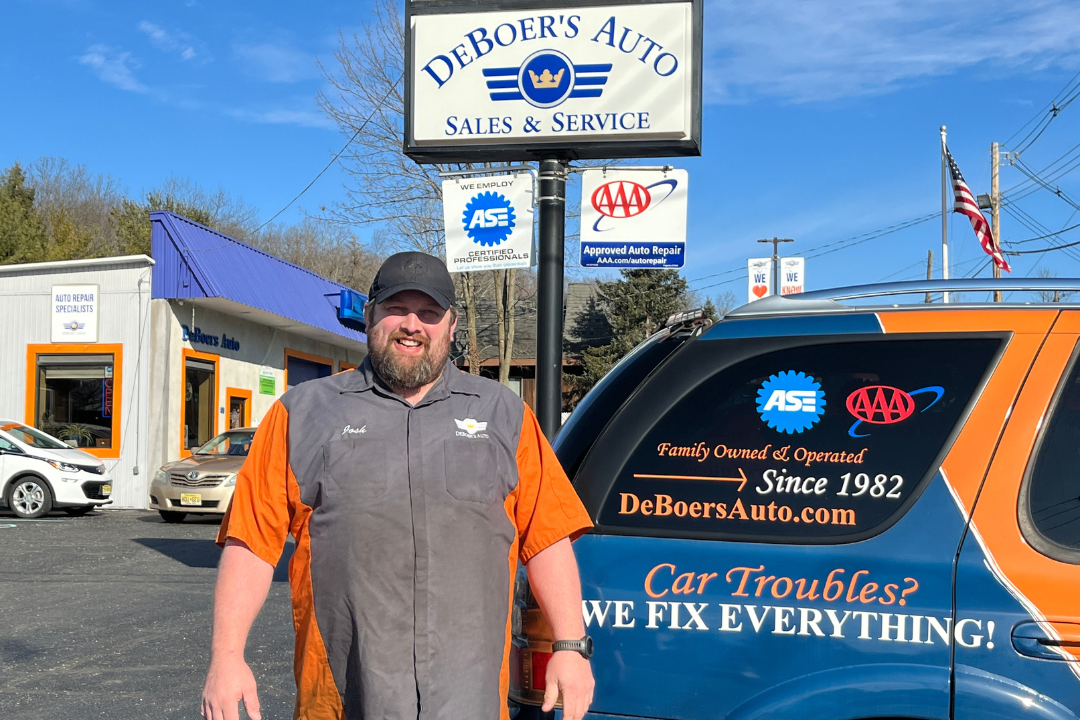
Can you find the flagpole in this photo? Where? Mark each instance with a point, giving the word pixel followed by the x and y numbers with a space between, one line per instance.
pixel 944 215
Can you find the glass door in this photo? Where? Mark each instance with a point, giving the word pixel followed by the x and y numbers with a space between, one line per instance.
pixel 200 393
pixel 237 412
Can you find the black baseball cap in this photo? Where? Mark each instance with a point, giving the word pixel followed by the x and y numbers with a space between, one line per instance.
pixel 413 271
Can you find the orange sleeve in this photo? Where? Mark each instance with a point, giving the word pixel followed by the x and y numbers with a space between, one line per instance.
pixel 546 507
pixel 258 514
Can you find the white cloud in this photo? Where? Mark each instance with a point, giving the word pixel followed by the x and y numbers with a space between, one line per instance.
pixel 808 50
pixel 114 67
pixel 304 118
pixel 278 63
pixel 179 42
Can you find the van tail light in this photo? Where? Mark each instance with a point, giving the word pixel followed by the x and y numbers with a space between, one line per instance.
pixel 530 650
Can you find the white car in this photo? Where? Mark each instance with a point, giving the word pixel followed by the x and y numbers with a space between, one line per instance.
pixel 39 473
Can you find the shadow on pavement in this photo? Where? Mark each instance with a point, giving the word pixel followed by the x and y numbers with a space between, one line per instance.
pixel 206 553
pixel 207 519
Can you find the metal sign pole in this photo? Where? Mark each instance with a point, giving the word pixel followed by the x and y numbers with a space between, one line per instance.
pixel 549 320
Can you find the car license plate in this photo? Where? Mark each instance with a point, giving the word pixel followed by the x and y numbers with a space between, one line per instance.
pixel 106 489
pixel 190 499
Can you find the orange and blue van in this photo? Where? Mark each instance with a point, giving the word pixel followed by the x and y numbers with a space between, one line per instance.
pixel 823 509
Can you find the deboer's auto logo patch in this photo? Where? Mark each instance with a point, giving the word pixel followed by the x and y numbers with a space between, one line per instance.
pixel 791 402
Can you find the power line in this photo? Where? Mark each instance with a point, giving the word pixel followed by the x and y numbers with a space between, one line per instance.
pixel 1043 237
pixel 1023 168
pixel 1048 173
pixel 334 159
pixel 1041 113
pixel 1047 115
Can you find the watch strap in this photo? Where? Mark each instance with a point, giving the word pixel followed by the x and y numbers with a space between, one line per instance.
pixel 582 646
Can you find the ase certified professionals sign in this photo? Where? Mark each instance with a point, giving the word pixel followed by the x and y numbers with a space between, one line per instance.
pixel 614 80
pixel 488 222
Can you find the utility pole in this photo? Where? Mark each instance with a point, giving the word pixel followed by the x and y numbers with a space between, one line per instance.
pixel 549 318
pixel 776 261
pixel 929 271
pixel 995 209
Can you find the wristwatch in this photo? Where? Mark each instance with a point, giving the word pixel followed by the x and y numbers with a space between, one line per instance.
pixel 583 646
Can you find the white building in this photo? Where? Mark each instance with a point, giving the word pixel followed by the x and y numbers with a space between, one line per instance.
pixel 139 361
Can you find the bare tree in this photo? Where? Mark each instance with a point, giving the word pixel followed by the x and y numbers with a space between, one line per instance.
pixel 327 248
pixel 1048 296
pixel 386 188
pixel 74 201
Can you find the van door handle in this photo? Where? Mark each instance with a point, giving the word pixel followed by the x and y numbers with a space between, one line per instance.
pixel 1033 639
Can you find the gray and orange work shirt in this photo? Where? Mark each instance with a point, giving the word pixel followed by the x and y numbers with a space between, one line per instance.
pixel 409 522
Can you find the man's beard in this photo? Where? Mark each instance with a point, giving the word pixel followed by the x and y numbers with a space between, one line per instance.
pixel 404 372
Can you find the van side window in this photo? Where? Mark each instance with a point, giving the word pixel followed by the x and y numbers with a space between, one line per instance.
pixel 812 444
pixel 1050 498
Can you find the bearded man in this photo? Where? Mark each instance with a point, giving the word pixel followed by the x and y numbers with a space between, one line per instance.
pixel 412 490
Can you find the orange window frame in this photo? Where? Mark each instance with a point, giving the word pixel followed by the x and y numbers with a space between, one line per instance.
pixel 329 362
pixel 205 357
pixel 344 365
pixel 230 393
pixel 115 349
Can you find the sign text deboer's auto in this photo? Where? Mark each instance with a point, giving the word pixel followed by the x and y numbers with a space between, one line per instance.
pixel 526 80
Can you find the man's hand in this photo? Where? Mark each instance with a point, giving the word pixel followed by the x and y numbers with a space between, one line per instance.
pixel 242 585
pixel 570 674
pixel 227 683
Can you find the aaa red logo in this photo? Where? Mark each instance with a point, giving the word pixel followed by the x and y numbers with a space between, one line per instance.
pixel 880 404
pixel 621 199
pixel 886 405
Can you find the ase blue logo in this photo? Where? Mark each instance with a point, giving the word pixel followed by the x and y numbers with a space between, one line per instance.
pixel 547 78
pixel 489 218
pixel 791 402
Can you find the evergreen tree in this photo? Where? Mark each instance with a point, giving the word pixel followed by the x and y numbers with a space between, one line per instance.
pixel 22 232
pixel 68 240
pixel 132 219
pixel 635 305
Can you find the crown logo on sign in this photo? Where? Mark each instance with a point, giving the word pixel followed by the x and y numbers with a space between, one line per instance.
pixel 546 79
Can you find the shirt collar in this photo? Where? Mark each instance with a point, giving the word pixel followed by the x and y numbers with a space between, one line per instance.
pixel 452 380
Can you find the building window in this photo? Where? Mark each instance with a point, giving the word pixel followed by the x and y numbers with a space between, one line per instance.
pixel 75 399
pixel 301 367
pixel 200 402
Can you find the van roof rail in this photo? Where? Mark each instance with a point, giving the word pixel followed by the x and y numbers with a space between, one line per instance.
pixel 829 300
pixel 937 286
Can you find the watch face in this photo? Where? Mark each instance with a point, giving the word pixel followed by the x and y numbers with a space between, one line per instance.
pixel 588 647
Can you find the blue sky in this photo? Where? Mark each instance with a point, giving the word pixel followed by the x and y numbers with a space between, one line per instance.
pixel 820 123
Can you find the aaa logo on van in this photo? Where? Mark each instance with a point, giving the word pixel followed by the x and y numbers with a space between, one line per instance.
pixel 546 79
pixel 886 405
pixel 621 199
pixel 489 218
pixel 791 402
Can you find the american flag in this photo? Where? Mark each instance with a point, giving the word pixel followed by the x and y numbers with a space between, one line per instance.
pixel 966 205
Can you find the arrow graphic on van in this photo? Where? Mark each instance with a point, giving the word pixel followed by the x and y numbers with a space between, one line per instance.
pixel 741 480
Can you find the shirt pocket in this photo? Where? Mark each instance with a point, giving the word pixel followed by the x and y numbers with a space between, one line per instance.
pixel 472 470
pixel 356 470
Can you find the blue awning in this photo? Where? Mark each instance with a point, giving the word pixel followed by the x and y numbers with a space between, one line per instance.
pixel 194 262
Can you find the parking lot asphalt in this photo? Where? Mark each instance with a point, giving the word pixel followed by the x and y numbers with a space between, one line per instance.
pixel 108 616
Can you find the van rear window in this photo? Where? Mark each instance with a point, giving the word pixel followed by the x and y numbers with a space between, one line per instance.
pixel 820 443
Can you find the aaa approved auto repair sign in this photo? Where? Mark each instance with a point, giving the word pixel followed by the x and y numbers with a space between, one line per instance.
pixel 633 218
pixel 557 76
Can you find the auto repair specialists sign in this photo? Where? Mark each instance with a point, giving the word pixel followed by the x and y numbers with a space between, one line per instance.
pixel 615 80
pixel 633 218
pixel 75 313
